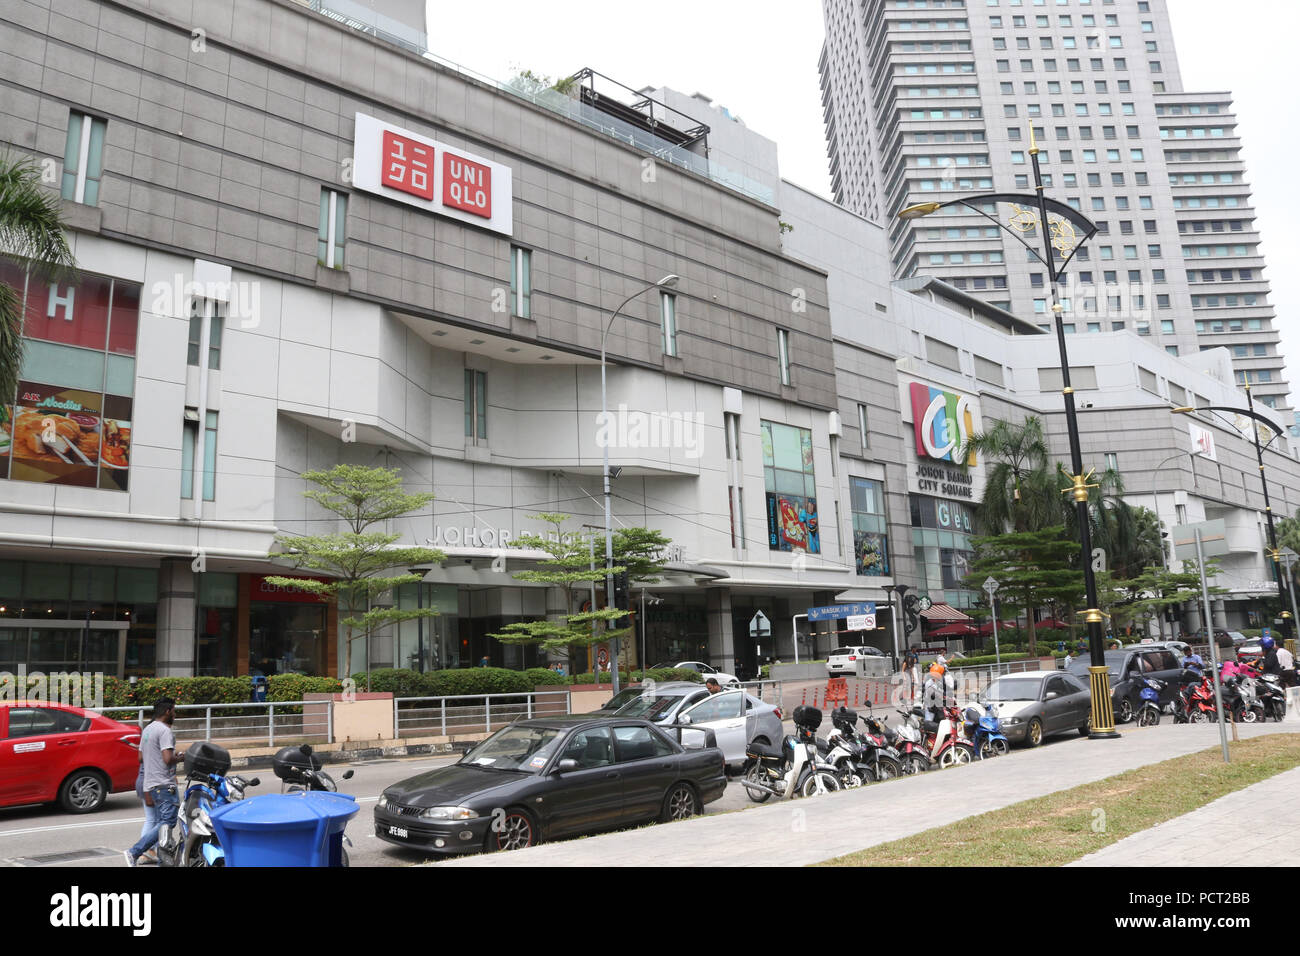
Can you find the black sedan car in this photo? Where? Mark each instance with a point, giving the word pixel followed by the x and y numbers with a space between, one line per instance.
pixel 547 778
pixel 1127 668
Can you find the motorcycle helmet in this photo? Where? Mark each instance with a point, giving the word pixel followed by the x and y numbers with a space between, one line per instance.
pixel 1268 644
pixel 937 670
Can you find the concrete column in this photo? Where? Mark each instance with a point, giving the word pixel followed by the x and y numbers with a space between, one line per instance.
pixel 177 597
pixel 1220 615
pixel 722 648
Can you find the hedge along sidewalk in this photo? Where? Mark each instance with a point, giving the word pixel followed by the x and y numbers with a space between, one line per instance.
pixel 1070 824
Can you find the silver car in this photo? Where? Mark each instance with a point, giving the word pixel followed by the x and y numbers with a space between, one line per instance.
pixel 1037 704
pixel 735 717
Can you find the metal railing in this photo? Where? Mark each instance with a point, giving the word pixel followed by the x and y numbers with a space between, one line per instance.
pixel 271 722
pixel 472 713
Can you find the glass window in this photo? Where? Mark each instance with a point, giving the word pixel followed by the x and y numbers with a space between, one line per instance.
pixel 521 282
pixel 791 487
pixel 83 158
pixel 668 328
pixel 331 233
pixel 640 743
pixel 870 528
pixel 475 405
pixel 783 354
pixel 590 748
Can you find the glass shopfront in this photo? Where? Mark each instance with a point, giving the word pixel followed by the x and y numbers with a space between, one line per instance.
pixel 941 543
pixel 78 617
pixel 216 630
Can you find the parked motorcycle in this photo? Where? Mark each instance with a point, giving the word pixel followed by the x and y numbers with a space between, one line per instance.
pixel 1272 695
pixel 792 769
pixel 865 762
pixel 908 741
pixel 1241 700
pixel 207 787
pixel 947 748
pixel 1149 713
pixel 984 731
pixel 885 761
pixel 298 769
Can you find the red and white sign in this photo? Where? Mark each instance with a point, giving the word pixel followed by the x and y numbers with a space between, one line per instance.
pixel 404 166
pixel 1202 441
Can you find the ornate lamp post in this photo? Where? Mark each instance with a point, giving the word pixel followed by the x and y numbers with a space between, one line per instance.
pixel 1063 230
pixel 1256 418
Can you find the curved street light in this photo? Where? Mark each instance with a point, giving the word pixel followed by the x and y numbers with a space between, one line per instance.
pixel 667 282
pixel 1062 237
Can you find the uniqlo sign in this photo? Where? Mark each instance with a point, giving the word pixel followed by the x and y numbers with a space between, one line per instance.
pixel 407 164
pixel 404 166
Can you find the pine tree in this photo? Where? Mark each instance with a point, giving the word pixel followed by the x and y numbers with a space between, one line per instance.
pixel 1033 568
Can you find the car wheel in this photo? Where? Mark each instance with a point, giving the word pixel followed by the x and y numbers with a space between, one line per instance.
pixel 83 792
pixel 1124 713
pixel 1034 733
pixel 517 830
pixel 1086 729
pixel 680 803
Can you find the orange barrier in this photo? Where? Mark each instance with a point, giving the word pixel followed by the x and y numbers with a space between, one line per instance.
pixel 837 691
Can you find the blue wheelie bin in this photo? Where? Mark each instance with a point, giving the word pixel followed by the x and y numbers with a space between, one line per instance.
pixel 260 684
pixel 285 829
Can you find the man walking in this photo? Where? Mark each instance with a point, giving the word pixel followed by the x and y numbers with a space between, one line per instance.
pixel 160 757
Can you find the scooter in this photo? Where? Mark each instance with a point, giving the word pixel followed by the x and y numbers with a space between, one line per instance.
pixel 1149 714
pixel 792 769
pixel 881 758
pixel 984 730
pixel 1272 695
pixel 299 770
pixel 907 740
pixel 947 749
pixel 866 763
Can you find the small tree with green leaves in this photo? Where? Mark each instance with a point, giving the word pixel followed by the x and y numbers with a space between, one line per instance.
pixel 357 558
pixel 637 551
pixel 1033 568
pixel 1139 599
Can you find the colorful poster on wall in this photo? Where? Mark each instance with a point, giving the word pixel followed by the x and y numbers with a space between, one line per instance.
pixel 6 437
pixel 792 523
pixel 871 553
pixel 56 435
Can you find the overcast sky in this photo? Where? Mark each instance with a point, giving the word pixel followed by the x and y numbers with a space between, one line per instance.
pixel 759 59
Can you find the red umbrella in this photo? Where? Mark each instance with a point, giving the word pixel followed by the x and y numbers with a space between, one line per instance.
pixel 956 629
pixel 1053 622
pixel 987 627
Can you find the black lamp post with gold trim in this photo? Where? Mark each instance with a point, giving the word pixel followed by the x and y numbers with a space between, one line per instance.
pixel 1063 230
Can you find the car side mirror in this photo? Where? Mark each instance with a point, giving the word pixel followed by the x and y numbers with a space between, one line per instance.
pixel 566 765
pixel 684 719
pixel 1051 695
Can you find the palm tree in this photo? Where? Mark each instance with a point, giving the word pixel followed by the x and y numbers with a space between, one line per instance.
pixel 31 232
pixel 1018 487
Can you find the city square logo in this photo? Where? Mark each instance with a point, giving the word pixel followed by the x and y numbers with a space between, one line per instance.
pixel 943 422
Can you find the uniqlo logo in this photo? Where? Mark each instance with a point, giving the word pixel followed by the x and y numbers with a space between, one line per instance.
pixel 407 164
pixel 466 185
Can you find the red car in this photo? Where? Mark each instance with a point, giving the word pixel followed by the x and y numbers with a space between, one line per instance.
pixel 51 752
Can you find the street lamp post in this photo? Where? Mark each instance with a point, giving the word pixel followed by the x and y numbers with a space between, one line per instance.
pixel 1256 417
pixel 1062 235
pixel 667 282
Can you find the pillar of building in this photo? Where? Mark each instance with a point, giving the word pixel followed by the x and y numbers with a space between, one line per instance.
pixel 722 641
pixel 174 645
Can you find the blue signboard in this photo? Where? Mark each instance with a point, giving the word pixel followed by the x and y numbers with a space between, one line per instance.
pixel 837 611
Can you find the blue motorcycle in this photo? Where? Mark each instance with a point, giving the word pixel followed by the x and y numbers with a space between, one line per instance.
pixel 1149 714
pixel 984 731
pixel 197 844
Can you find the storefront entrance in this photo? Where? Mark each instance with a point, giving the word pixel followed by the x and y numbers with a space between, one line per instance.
pixel 63 646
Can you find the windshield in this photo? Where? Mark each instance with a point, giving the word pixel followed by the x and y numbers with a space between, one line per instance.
pixel 1014 688
pixel 524 749
pixel 650 706
pixel 1079 666
pixel 622 697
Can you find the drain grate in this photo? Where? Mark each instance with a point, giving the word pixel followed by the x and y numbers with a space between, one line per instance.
pixel 47 859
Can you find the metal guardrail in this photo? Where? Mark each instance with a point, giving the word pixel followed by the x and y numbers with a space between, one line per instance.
pixel 472 713
pixel 283 721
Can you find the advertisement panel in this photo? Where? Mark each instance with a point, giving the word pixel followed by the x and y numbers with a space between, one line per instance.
pixel 942 422
pixel 408 167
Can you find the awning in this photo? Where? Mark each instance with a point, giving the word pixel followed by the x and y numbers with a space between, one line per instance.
pixel 955 629
pixel 943 612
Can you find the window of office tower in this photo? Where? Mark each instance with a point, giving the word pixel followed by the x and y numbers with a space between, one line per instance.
pixel 870 540
pixel 792 523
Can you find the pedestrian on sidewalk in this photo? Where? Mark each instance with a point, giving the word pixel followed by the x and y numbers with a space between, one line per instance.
pixel 150 813
pixel 1286 661
pixel 159 757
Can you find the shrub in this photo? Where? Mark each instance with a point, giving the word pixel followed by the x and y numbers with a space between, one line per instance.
pixel 544 675
pixel 399 682
pixel 294 686
pixel 476 680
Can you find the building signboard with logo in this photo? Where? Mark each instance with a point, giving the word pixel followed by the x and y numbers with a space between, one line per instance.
pixel 411 168
pixel 942 421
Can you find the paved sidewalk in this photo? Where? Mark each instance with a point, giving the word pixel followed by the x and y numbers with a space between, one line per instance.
pixel 799 832
pixel 1270 808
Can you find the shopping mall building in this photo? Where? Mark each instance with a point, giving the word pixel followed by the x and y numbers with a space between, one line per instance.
pixel 303 244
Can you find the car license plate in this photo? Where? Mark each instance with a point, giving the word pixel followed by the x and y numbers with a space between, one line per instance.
pixel 398 832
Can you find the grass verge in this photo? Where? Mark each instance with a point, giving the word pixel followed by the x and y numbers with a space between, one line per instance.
pixel 1062 827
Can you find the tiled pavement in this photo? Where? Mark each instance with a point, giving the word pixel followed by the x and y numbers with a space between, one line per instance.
pixel 799 832
pixel 1267 809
